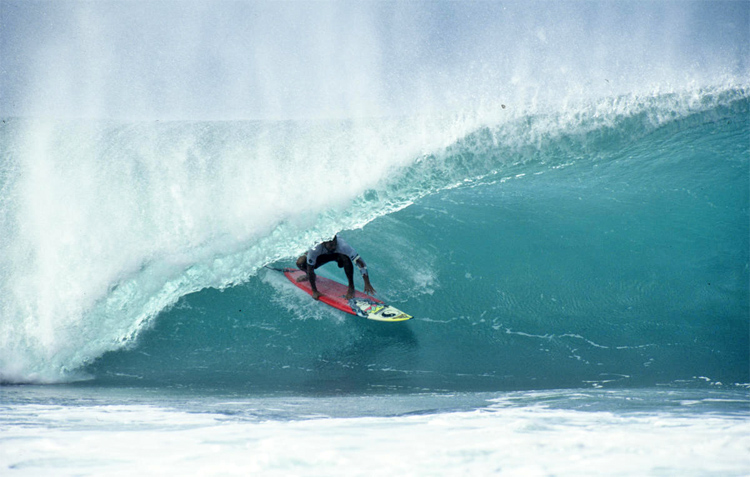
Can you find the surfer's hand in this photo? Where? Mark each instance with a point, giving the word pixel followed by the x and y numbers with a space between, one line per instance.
pixel 368 287
pixel 316 295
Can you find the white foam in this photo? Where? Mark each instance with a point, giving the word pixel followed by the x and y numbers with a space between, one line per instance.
pixel 113 222
pixel 146 440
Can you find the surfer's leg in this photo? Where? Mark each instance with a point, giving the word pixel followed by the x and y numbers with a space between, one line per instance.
pixel 346 263
pixel 302 265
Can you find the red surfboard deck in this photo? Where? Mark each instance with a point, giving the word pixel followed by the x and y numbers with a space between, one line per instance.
pixel 334 293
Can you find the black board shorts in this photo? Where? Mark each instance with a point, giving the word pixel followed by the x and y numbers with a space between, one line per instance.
pixel 324 258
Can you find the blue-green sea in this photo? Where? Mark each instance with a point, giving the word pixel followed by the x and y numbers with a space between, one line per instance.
pixel 574 248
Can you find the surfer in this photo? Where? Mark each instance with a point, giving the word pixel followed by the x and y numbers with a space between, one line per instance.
pixel 337 250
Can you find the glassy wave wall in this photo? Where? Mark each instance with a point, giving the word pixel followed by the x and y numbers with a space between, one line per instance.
pixel 603 246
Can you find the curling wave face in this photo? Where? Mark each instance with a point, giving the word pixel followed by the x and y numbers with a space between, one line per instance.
pixel 108 224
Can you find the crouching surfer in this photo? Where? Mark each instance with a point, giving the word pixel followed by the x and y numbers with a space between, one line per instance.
pixel 343 254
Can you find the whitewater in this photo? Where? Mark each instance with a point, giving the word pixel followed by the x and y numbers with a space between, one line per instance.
pixel 559 193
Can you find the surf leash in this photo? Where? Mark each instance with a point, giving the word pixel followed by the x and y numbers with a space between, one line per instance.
pixel 276 269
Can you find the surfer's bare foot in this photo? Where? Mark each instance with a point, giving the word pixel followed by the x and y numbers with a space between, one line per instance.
pixel 349 294
pixel 316 295
pixel 301 278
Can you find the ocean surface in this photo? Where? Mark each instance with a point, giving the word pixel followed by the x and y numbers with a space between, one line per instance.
pixel 575 252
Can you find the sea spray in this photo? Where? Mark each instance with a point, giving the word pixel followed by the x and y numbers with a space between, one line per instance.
pixel 134 174
pixel 114 222
pixel 111 222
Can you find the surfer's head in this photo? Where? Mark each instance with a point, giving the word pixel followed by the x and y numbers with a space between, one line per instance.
pixel 331 245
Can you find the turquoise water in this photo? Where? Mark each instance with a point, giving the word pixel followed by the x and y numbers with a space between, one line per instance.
pixel 559 193
pixel 614 257
pixel 580 303
pixel 613 252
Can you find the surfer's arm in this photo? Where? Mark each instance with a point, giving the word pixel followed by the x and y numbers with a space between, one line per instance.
pixel 365 276
pixel 368 288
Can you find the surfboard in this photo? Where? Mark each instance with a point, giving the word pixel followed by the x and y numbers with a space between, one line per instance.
pixel 334 294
